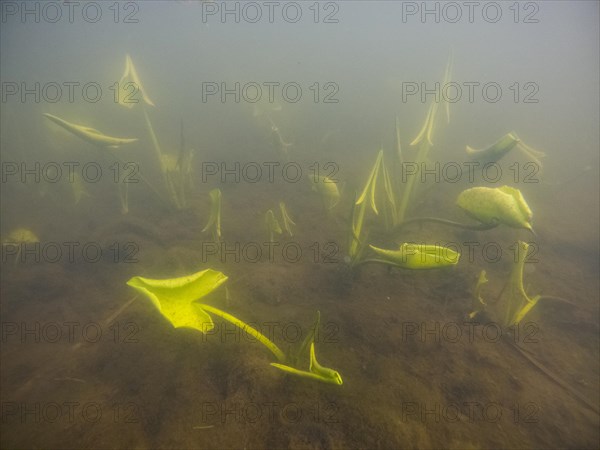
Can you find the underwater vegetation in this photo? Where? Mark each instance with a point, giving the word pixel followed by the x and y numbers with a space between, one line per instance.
pixel 214 220
pixel 416 256
pixel 513 299
pixel 272 225
pixel 383 205
pixel 176 299
pixel 493 206
pixel 328 190
pixel 512 305
pixel 19 237
pixel 130 85
pixel 287 220
pixel 78 189
pixel 90 135
pixel 502 147
pixel 176 170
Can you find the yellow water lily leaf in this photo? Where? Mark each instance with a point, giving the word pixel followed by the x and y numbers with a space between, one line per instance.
pixel 130 87
pixel 328 190
pixel 90 135
pixel 371 185
pixel 504 205
pixel 175 297
pixel 514 297
pixel 418 256
pixel 496 151
pixel 21 236
pixel 315 372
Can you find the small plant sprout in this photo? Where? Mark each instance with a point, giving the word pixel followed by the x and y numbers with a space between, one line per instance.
pixel 315 370
pixel 478 304
pixel 272 225
pixel 214 221
pixel 287 221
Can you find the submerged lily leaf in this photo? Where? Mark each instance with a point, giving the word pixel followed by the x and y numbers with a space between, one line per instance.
pixel 21 236
pixel 371 185
pixel 427 129
pixel 130 85
pixel 214 221
pixel 504 205
pixel 417 256
pixel 502 147
pixel 496 151
pixel 175 297
pixel 518 303
pixel 478 303
pixel 328 190
pixel 315 372
pixel 356 242
pixel 287 220
pixel 90 135
pixel 18 237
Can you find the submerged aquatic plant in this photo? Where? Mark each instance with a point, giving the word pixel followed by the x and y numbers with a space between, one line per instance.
pixel 416 256
pixel 424 142
pixel 19 237
pixel 130 85
pixel 384 196
pixel 177 300
pixel 272 225
pixel 90 135
pixel 503 205
pixel 514 297
pixel 478 304
pixel 78 188
pixel 371 184
pixel 502 147
pixel 327 188
pixel 280 145
pixel 287 220
pixel 214 221
pixel 98 139
pixel 490 207
pixel 315 370
pixel 175 173
pixel 357 238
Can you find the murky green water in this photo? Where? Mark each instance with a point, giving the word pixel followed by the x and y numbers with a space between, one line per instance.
pixel 195 191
